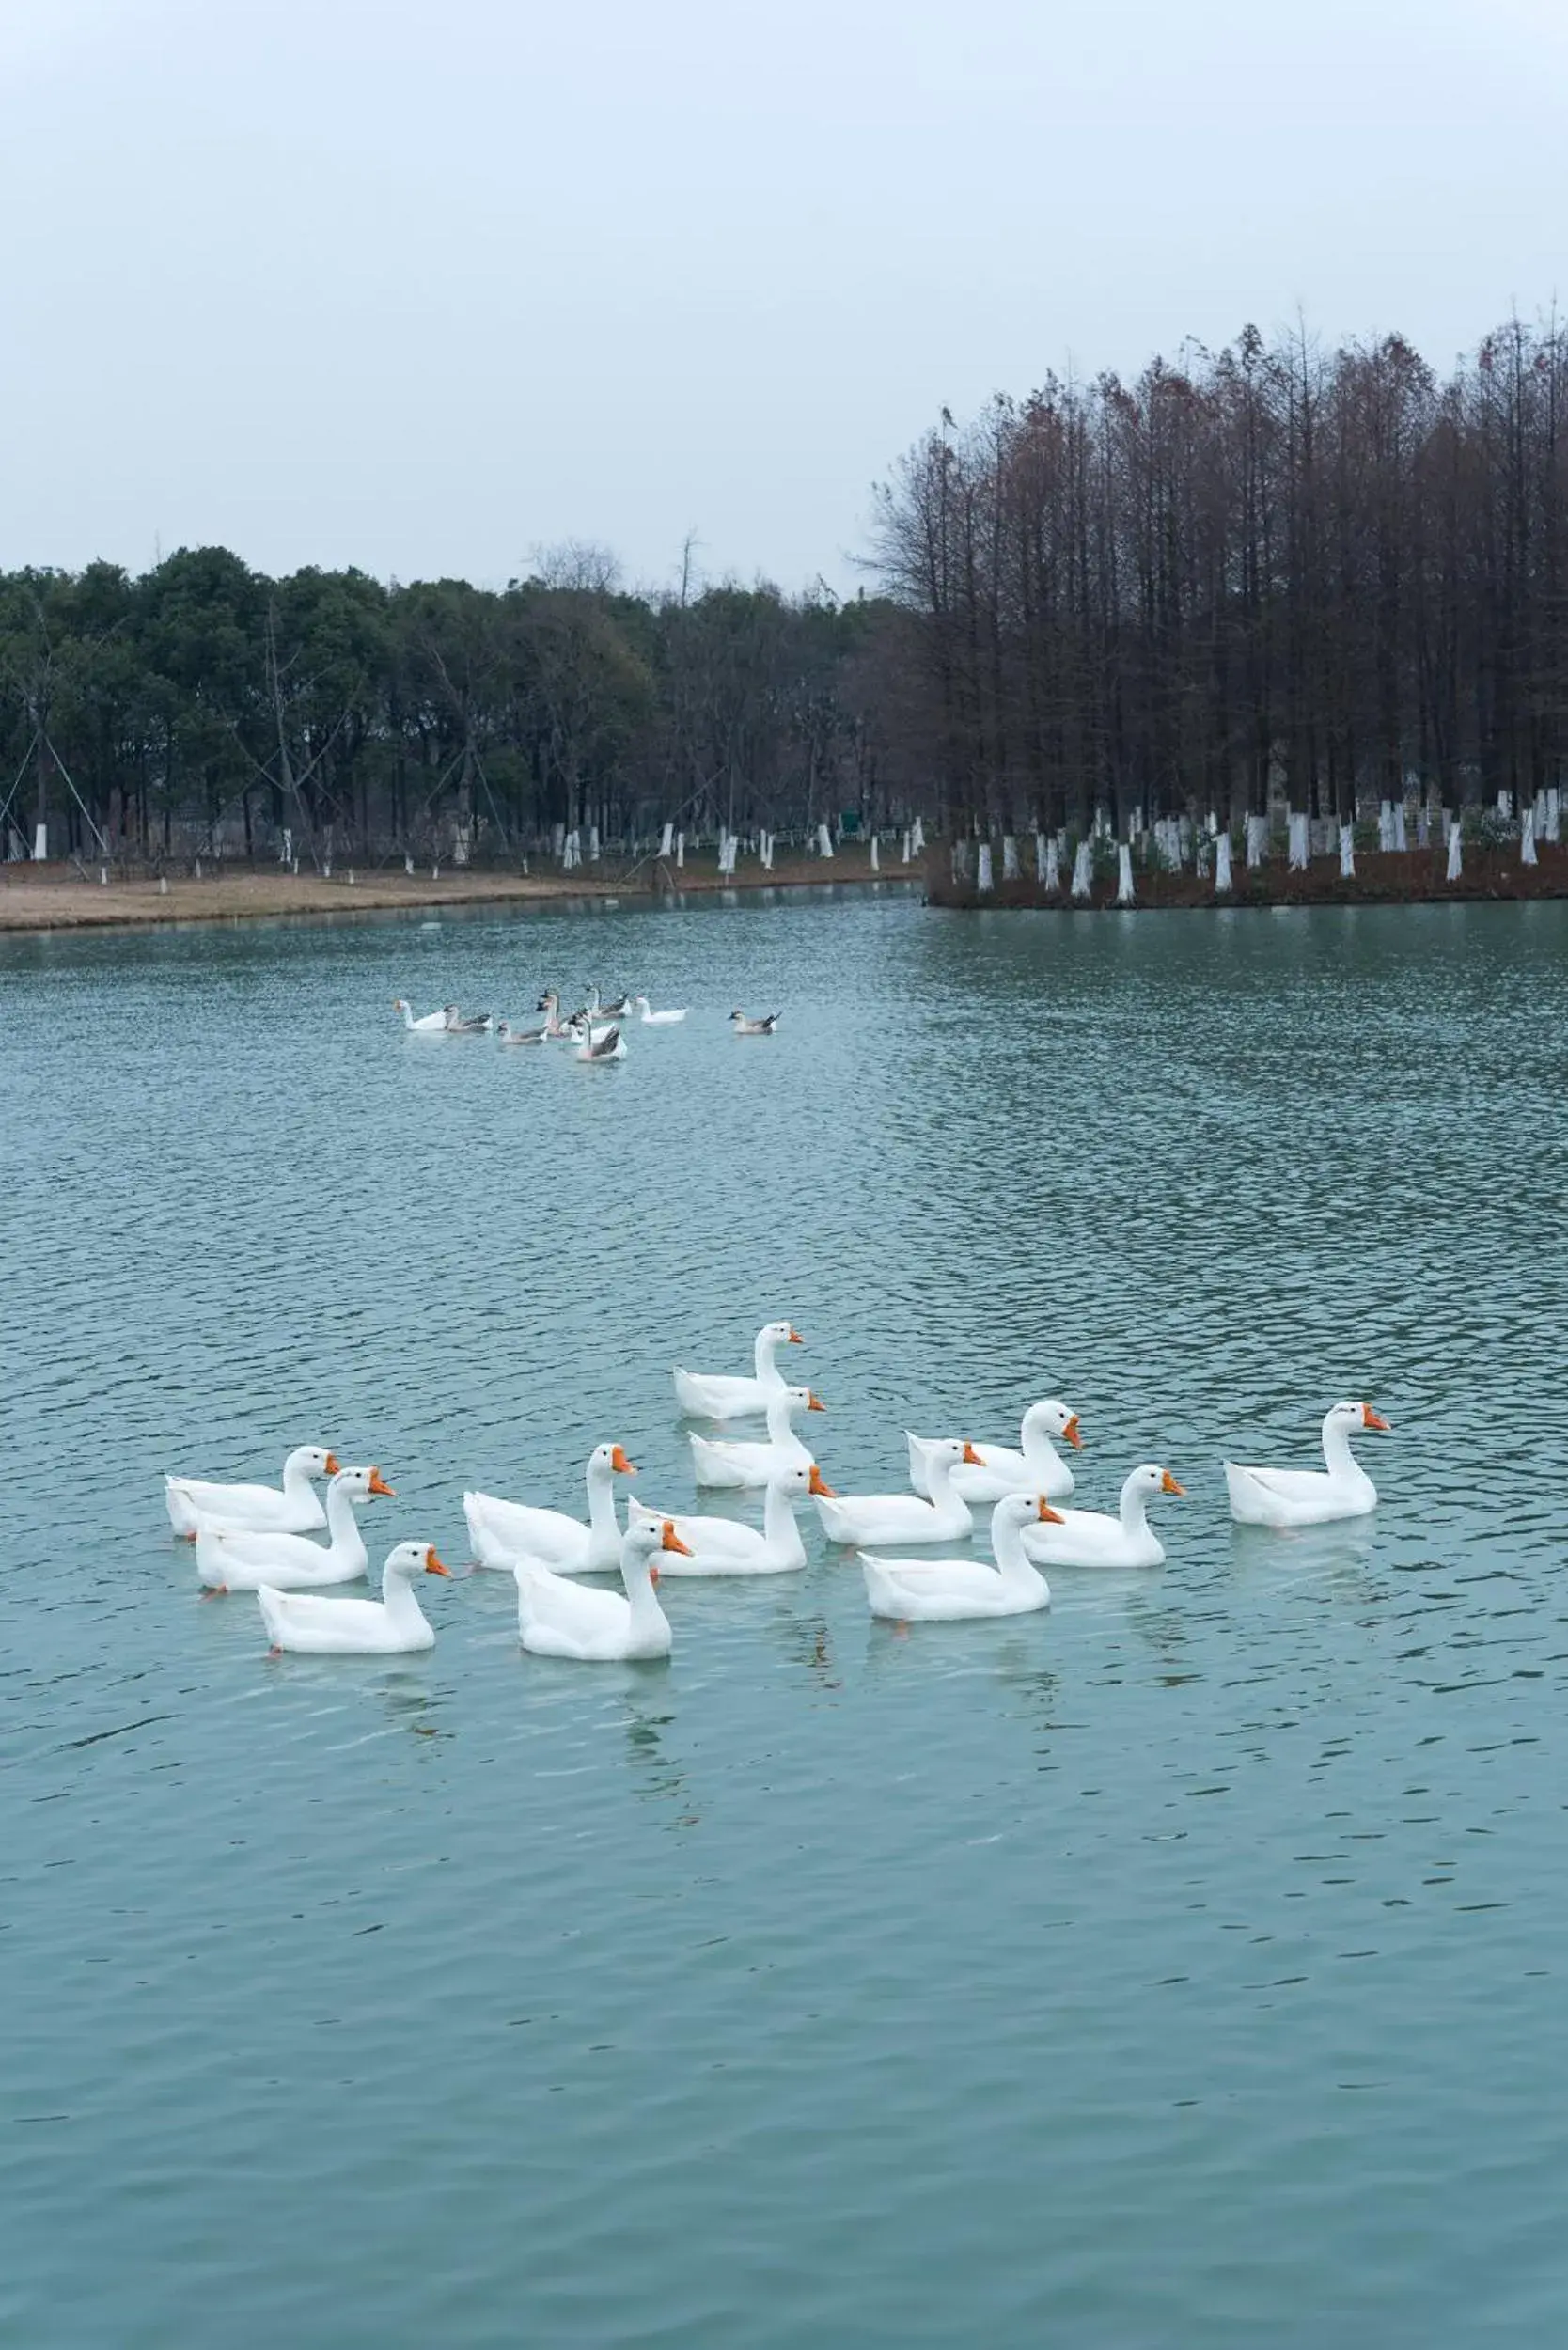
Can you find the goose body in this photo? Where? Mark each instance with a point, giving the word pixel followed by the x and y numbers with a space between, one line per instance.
pixel 951 1591
pixel 1342 1489
pixel 765 1026
pixel 720 1460
pixel 722 1546
pixel 293 1509
pixel 591 1626
pixel 478 1023
pixel 230 1559
pixel 509 1035
pixel 857 1518
pixel 504 1532
pixel 702 1397
pixel 652 1019
pixel 603 1044
pixel 391 1625
pixel 1034 1465
pixel 1092 1538
pixel 431 1024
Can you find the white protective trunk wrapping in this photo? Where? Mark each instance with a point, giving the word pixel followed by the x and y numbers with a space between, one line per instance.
pixel 1123 874
pixel 983 883
pixel 1347 853
pixel 1082 871
pixel 1223 883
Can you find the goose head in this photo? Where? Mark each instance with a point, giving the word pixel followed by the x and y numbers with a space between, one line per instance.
pixel 797 1399
pixel 1053 1417
pixel 782 1334
pixel 949 1453
pixel 608 1459
pixel 807 1479
pixel 1020 1509
pixel 1150 1479
pixel 311 1459
pixel 549 1001
pixel 411 1559
pixel 360 1484
pixel 1349 1420
pixel 647 1538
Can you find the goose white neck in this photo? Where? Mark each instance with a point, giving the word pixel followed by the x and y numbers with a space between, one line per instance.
pixel 1007 1544
pixel 1038 1450
pixel 1343 1463
pixel 297 1478
pixel 636 1574
pixel 1134 1507
pixel 397 1592
pixel 600 1495
pixel 763 1357
pixel 342 1524
pixel 939 1475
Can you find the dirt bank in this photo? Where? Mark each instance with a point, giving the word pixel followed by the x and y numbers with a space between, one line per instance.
pixel 56 897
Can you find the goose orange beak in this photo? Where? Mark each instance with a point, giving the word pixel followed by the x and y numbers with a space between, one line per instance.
pixel 1074 1434
pixel 433 1565
pixel 380 1485
pixel 971 1458
pixel 1046 1515
pixel 670 1539
pixel 816 1485
pixel 795 1339
pixel 816 1404
pixel 619 1461
pixel 1169 1484
pixel 333 1468
pixel 1373 1420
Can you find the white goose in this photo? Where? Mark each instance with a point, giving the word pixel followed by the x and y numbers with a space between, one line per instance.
pixel 504 1532
pixel 1035 1467
pixel 717 1461
pixel 230 1559
pixel 858 1518
pixel 703 1397
pixel 652 1019
pixel 555 1617
pixel 722 1546
pixel 433 1023
pixel 950 1591
pixel 297 1510
pixel 355 1627
pixel 1092 1538
pixel 1266 1497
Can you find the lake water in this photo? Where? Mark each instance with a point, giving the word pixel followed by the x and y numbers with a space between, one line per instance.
pixel 1186 1964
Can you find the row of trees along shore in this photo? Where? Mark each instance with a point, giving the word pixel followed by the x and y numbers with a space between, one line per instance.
pixel 1277 578
pixel 204 707
pixel 1270 575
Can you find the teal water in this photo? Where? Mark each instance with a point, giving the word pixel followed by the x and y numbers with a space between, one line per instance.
pixel 1184 1965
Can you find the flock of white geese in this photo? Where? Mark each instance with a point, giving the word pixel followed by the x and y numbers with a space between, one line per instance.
pixel 260 1537
pixel 594 1029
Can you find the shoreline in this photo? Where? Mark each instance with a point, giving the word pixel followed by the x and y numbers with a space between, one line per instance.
pixel 32 900
pixel 1383 877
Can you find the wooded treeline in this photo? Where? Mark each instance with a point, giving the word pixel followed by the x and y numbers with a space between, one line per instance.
pixel 1273 569
pixel 204 704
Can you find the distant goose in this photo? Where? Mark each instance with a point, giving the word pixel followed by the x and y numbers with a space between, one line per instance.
pixel 293 1509
pixel 602 1045
pixel 234 1560
pixel 478 1024
pixel 652 1019
pixel 557 1030
pixel 355 1627
pixel 618 1010
pixel 1342 1489
pixel 742 1027
pixel 509 1035
pixel 433 1023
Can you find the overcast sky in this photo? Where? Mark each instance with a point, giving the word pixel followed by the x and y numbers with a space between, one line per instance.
pixel 422 285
